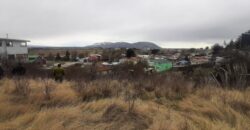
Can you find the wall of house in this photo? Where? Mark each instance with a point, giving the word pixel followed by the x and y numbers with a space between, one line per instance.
pixel 15 49
pixel 2 50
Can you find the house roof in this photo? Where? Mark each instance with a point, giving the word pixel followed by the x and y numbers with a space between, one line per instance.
pixel 95 55
pixel 17 40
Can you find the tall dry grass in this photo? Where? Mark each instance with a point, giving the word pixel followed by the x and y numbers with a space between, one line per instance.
pixel 170 103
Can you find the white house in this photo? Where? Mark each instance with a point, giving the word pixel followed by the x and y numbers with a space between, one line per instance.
pixel 13 49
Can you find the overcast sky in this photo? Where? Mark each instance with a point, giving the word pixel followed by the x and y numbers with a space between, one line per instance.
pixel 169 23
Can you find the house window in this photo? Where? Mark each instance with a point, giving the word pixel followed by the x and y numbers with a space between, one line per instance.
pixel 11 57
pixel 9 44
pixel 23 44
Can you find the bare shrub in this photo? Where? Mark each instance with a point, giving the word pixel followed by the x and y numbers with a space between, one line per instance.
pixel 7 66
pixel 76 72
pixel 202 77
pixel 129 70
pixel 22 86
pixel 122 71
pixel 80 88
pixel 95 90
pixel 142 89
pixel 36 71
pixel 130 97
pixel 174 86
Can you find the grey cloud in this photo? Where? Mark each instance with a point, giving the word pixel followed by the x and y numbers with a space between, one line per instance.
pixel 148 20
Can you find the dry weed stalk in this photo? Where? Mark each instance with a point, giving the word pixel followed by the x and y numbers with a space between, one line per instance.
pixel 130 97
pixel 47 88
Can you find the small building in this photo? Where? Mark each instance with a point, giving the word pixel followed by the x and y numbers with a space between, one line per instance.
pixel 13 49
pixel 182 63
pixel 195 60
pixel 160 65
pixel 94 58
pixel 145 57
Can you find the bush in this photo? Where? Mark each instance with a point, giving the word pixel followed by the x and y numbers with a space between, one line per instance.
pixel 96 90
pixel 174 86
pixel 22 87
pixel 129 70
pixel 202 77
pixel 76 73
pixel 234 73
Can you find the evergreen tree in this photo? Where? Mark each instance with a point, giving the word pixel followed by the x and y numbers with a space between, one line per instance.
pixel 50 56
pixel 155 51
pixel 130 53
pixel 217 49
pixel 67 56
pixel 58 57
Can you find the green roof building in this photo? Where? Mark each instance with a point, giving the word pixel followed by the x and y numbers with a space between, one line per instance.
pixel 161 65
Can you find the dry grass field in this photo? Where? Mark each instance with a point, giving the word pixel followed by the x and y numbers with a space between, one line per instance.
pixel 37 104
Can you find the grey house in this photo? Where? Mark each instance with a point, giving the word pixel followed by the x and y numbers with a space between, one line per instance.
pixel 13 49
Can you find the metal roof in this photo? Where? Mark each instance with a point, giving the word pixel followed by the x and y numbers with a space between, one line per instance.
pixel 17 40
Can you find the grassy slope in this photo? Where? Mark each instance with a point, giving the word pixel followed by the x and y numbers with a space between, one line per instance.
pixel 207 108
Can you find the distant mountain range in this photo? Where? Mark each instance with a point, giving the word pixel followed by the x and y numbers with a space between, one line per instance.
pixel 106 45
pixel 137 45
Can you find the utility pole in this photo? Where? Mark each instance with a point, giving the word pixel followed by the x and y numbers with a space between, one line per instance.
pixel 7 35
